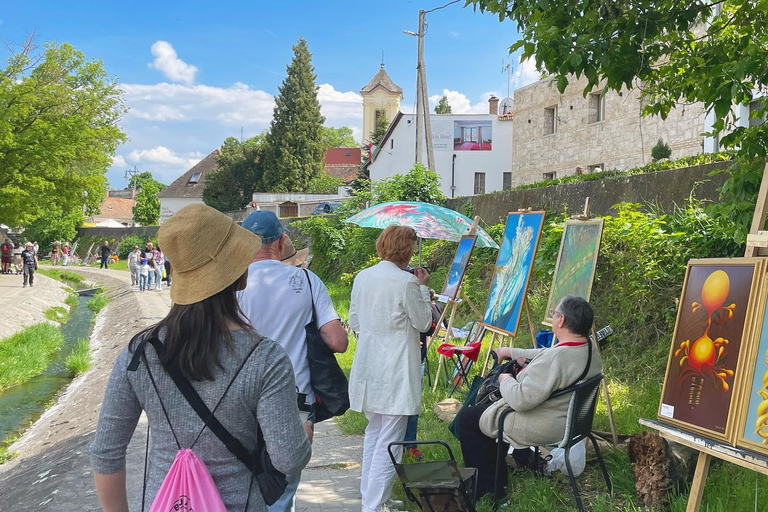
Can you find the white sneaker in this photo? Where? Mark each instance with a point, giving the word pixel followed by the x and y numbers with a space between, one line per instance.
pixel 398 504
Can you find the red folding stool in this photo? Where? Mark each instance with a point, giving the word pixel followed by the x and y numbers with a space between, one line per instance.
pixel 462 356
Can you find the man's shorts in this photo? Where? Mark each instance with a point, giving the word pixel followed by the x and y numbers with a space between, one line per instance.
pixel 6 259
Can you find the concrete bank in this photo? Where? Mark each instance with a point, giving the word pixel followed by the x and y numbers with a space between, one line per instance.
pixel 21 307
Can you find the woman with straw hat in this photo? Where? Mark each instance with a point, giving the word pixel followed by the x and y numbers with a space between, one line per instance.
pixel 206 339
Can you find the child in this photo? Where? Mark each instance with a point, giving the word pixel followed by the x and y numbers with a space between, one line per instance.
pixel 143 274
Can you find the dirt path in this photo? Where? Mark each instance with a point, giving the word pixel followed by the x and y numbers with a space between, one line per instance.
pixel 22 307
pixel 53 470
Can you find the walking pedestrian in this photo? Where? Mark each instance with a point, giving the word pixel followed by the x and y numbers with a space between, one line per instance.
pixel 134 262
pixel 29 259
pixel 167 271
pixel 6 253
pixel 55 253
pixel 17 261
pixel 159 267
pixel 278 301
pixel 245 377
pixel 65 254
pixel 105 252
pixel 149 254
pixel 143 274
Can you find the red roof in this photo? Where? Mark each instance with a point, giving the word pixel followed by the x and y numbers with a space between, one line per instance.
pixel 116 208
pixel 343 156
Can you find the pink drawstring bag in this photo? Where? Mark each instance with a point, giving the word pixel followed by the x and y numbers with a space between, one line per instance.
pixel 188 486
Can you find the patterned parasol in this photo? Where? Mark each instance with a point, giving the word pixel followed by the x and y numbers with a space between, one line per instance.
pixel 428 220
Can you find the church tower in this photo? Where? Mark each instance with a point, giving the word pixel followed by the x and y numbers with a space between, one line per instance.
pixel 380 97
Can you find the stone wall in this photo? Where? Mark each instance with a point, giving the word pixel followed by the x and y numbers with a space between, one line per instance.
pixel 663 189
pixel 607 132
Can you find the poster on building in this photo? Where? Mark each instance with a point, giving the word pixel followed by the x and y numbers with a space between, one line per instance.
pixel 442 134
pixel 472 135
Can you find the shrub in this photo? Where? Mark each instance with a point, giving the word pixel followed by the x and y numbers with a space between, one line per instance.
pixel 660 151
pixel 126 245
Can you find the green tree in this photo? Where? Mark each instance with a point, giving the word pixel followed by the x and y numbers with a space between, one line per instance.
pixel 55 225
pixel 294 150
pixel 143 178
pixel 59 115
pixel 661 151
pixel 382 123
pixel 338 137
pixel 239 173
pixel 146 207
pixel 419 184
pixel 443 107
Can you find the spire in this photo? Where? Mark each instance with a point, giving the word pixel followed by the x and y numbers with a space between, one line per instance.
pixel 382 59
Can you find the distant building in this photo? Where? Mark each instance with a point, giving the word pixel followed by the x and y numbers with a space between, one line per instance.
pixel 342 163
pixel 188 188
pixel 116 208
pixel 381 97
pixel 473 152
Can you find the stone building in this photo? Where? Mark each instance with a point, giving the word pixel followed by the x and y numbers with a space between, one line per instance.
pixel 556 134
pixel 381 97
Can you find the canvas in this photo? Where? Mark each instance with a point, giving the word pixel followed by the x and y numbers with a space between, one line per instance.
pixel 576 263
pixel 512 271
pixel 704 369
pixel 753 429
pixel 458 267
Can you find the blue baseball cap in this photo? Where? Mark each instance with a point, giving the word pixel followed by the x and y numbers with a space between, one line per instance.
pixel 265 224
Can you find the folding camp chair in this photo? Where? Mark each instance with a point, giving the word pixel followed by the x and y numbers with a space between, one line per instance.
pixel 438 485
pixel 462 356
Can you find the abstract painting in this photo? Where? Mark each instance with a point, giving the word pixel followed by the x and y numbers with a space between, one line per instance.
pixel 458 267
pixel 713 330
pixel 576 263
pixel 754 418
pixel 512 271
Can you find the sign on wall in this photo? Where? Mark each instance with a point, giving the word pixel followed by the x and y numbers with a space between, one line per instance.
pixel 472 135
pixel 442 134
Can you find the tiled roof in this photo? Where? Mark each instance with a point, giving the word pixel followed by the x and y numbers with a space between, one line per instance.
pixel 183 187
pixel 117 208
pixel 342 156
pixel 381 79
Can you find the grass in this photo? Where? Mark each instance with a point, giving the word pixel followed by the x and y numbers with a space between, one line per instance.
pixel 98 302
pixel 71 300
pixel 57 314
pixel 27 354
pixel 5 455
pixel 79 360
pixel 62 275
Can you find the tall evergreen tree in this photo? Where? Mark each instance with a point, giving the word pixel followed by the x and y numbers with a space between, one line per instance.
pixel 294 150
pixel 443 107
pixel 382 123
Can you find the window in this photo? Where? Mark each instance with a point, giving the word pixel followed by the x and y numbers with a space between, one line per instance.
pixel 596 107
pixel 195 178
pixel 347 153
pixel 376 115
pixel 550 120
pixel 479 183
pixel 595 168
pixel 549 175
pixel 507 181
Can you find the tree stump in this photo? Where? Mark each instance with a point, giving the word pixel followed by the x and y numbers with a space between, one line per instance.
pixel 659 467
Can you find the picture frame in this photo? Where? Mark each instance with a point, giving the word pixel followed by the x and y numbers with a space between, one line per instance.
pixel 512 271
pixel 458 267
pixel 713 337
pixel 576 263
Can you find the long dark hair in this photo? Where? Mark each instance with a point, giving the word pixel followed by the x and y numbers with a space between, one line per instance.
pixel 192 333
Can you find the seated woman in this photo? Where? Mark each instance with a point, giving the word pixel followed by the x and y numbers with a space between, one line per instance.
pixel 535 421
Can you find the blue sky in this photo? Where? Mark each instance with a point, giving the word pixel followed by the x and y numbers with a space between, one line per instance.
pixel 196 72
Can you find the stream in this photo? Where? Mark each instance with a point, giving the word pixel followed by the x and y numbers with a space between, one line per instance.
pixel 26 402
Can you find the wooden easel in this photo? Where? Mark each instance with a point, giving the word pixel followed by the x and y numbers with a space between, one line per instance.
pixel 757 240
pixel 509 339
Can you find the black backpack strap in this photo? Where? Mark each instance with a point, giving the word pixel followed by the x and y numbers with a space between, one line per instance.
pixel 311 296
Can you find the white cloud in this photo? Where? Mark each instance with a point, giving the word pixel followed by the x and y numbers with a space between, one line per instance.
pixel 163 156
pixel 460 104
pixel 119 161
pixel 336 104
pixel 453 33
pixel 525 73
pixel 169 63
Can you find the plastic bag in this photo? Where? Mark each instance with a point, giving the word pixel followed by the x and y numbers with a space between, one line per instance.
pixel 578 457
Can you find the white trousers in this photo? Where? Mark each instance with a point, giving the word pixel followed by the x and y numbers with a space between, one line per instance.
pixel 378 471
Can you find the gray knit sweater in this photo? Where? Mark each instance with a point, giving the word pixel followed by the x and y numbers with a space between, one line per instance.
pixel 263 393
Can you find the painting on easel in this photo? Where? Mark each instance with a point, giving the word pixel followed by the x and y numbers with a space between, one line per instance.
pixel 512 271
pixel 576 263
pixel 458 267
pixel 713 333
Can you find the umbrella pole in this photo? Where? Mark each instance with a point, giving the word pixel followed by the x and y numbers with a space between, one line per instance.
pixel 419 251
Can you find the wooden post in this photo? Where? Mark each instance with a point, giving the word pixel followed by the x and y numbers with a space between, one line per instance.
pixel 471 305
pixel 699 481
pixel 606 395
pixel 488 355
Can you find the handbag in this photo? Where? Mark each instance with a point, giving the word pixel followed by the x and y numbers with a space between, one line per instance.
pixel 271 482
pixel 489 389
pixel 325 375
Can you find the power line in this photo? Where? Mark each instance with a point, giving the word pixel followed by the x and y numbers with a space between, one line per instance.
pixel 443 6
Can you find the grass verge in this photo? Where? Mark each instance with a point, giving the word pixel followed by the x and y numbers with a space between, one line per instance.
pixel 79 360
pixel 71 300
pixel 98 302
pixel 57 314
pixel 5 455
pixel 26 354
pixel 62 275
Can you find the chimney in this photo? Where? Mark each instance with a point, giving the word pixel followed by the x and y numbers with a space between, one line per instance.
pixel 493 105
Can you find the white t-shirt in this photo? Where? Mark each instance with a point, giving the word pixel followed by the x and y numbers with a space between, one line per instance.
pixel 277 304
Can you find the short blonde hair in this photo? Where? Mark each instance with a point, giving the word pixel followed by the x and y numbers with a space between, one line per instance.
pixel 395 244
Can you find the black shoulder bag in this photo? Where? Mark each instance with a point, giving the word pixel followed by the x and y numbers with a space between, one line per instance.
pixel 272 483
pixel 325 375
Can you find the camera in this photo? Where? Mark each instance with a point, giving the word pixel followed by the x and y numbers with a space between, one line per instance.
pixel 410 269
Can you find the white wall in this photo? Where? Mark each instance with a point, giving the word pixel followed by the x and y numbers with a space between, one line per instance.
pixel 398 152
pixel 171 205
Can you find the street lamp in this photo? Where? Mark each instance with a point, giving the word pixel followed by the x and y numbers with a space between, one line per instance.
pixel 422 100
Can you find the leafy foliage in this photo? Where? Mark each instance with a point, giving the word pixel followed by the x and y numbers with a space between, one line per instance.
pixel 239 173
pixel 146 210
pixel 126 245
pixel 443 107
pixel 379 129
pixel 58 131
pixel 143 179
pixel 661 151
pixel 55 225
pixel 419 184
pixel 324 184
pixel 338 137
pixel 294 150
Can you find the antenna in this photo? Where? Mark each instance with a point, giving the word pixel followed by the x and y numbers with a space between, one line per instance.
pixel 382 59
pixel 506 67
pixel 241 135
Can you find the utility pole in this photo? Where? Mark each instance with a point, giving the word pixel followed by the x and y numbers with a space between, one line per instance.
pixel 423 125
pixel 419 107
pixel 129 174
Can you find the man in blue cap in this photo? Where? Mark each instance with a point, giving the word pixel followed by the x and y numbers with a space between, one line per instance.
pixel 278 303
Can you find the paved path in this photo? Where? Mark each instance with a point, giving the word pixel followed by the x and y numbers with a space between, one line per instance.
pixel 53 470
pixel 22 307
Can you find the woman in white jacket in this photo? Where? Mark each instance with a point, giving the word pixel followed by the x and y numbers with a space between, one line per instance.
pixel 389 308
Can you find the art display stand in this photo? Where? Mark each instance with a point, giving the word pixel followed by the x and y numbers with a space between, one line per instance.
pixel 707 448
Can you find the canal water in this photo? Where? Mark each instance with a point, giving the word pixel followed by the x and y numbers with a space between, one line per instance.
pixel 26 402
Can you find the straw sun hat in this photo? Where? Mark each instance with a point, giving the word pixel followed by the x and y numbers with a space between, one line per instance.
pixel 208 251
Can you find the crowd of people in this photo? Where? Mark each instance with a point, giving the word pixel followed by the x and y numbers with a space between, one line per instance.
pixel 237 330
